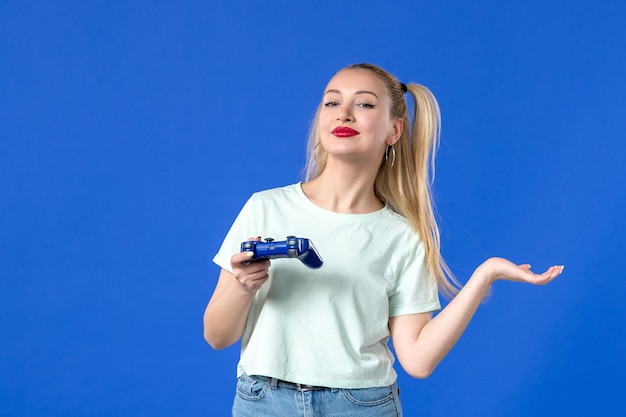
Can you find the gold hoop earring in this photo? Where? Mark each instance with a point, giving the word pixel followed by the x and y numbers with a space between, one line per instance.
pixel 393 156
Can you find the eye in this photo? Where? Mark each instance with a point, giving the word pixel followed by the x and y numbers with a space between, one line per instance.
pixel 366 105
pixel 331 104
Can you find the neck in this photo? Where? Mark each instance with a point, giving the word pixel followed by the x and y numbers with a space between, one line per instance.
pixel 344 188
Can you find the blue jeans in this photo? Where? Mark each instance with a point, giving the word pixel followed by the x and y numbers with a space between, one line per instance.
pixel 259 396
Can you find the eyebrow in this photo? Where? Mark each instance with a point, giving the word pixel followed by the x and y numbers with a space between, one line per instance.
pixel 358 92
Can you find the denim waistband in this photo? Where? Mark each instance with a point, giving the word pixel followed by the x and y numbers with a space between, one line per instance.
pixel 274 383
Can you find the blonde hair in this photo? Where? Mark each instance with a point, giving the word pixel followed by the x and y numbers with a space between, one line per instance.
pixel 405 186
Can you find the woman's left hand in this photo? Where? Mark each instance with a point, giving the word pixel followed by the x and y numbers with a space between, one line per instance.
pixel 502 269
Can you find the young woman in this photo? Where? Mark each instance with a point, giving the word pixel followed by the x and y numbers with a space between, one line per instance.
pixel 314 341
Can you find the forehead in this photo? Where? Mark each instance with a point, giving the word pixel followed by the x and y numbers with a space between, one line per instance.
pixel 357 79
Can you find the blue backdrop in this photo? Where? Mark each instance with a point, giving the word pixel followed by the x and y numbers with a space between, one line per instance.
pixel 132 132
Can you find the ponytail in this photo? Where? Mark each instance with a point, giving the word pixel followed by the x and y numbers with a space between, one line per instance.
pixel 407 185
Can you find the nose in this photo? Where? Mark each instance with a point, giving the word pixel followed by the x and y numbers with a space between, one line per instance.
pixel 345 115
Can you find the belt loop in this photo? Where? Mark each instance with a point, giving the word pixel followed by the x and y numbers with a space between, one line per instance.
pixel 273 383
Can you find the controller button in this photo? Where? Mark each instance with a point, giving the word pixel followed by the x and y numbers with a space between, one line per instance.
pixel 269 239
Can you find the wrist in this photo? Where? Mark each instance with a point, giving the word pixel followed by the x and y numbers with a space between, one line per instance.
pixel 486 272
pixel 245 291
pixel 241 290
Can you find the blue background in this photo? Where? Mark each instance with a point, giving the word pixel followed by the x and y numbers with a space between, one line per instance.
pixel 132 132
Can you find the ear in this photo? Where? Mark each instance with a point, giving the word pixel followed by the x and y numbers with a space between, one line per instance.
pixel 396 131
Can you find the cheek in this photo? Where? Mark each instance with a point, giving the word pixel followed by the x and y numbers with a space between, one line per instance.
pixel 324 118
pixel 323 126
pixel 378 126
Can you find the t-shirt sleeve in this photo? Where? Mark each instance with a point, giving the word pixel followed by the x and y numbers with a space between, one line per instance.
pixel 242 229
pixel 416 287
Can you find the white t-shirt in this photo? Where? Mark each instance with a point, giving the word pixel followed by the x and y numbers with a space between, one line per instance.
pixel 329 326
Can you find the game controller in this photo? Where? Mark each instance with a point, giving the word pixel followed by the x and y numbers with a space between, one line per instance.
pixel 293 247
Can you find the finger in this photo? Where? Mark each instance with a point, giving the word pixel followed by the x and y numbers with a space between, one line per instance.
pixel 241 257
pixel 257 283
pixel 557 270
pixel 254 280
pixel 550 274
pixel 246 268
pixel 253 277
pixel 554 271
pixel 256 267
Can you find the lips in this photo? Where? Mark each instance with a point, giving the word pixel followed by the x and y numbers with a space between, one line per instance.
pixel 344 132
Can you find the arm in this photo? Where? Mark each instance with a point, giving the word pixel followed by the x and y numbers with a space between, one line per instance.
pixel 421 343
pixel 226 314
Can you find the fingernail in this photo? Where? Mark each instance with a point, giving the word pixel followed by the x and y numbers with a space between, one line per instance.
pixel 249 254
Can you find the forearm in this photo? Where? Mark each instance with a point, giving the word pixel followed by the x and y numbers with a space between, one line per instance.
pixel 421 350
pixel 225 316
pixel 441 333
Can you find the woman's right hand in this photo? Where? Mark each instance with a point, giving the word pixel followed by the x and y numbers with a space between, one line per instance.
pixel 250 275
pixel 226 314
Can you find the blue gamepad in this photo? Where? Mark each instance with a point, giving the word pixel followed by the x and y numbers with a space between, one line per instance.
pixel 293 247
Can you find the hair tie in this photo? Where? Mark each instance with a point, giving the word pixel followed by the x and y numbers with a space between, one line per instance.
pixel 403 86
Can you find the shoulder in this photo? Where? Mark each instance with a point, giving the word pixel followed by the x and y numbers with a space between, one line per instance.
pixel 400 234
pixel 394 217
pixel 399 225
pixel 273 198
pixel 287 191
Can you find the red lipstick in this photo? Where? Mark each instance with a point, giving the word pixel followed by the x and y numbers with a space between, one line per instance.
pixel 344 132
